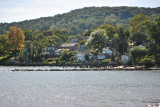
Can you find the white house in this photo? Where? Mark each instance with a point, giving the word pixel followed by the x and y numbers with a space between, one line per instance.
pixel 125 59
pixel 80 57
pixel 141 46
pixel 101 56
pixel 107 51
pixel 81 48
pixel 49 50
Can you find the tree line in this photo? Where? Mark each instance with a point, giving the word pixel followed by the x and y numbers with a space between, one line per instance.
pixel 142 30
pixel 127 40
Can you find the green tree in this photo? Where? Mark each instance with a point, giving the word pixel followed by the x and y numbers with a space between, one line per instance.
pixel 111 19
pixel 152 29
pixel 123 34
pixel 115 42
pixel 87 56
pixel 88 32
pixel 97 40
pixel 138 38
pixel 3 45
pixel 68 55
pixel 137 21
pixel 148 61
pixel 29 35
pixel 155 32
pixel 62 34
pixel 109 30
pixel 82 42
pixel 36 51
pixel 138 54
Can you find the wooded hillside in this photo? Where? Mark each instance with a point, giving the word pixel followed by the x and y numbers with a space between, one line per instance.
pixel 76 21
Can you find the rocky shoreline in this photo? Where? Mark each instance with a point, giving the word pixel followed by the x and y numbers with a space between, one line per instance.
pixel 94 69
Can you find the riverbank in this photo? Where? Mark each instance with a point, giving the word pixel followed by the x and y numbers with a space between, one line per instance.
pixel 119 68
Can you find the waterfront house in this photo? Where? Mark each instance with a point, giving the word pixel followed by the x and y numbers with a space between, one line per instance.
pixel 80 57
pixel 81 48
pixel 125 59
pixel 107 51
pixel 49 50
pixel 101 56
pixel 76 40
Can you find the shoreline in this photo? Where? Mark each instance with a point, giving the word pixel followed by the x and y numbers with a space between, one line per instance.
pixel 92 69
pixel 79 68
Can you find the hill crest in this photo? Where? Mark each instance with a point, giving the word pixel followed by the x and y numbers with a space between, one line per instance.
pixel 78 20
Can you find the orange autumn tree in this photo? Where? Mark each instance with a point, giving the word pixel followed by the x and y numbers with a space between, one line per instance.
pixel 15 38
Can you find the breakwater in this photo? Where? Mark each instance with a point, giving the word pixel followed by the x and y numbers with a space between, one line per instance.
pixel 91 69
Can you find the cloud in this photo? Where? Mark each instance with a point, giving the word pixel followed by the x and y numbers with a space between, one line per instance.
pixel 19 10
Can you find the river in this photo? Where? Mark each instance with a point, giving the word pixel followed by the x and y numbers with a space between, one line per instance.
pixel 78 88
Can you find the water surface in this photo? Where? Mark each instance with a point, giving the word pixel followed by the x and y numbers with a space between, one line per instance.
pixel 78 88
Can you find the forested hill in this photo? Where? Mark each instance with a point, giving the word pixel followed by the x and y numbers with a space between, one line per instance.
pixel 76 21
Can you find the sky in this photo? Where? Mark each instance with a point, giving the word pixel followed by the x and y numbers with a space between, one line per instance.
pixel 19 10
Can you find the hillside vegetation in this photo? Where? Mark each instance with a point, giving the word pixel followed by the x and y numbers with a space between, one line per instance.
pixel 76 21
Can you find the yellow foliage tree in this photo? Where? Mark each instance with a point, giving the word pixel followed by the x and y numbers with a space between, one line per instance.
pixel 16 39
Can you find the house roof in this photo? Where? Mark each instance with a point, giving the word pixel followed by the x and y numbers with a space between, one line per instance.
pixel 73 40
pixel 58 50
pixel 66 45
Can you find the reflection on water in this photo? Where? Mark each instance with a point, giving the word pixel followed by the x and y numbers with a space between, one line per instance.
pixel 79 89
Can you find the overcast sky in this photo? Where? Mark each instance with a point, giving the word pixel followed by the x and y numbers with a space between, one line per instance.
pixel 19 10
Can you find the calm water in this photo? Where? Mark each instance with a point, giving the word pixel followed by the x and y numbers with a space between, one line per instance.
pixel 79 88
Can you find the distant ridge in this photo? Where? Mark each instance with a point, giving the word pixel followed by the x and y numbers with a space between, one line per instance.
pixel 76 21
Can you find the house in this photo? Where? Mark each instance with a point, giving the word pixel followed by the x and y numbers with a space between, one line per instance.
pixel 81 48
pixel 74 40
pixel 80 57
pixel 131 47
pixel 101 56
pixel 141 46
pixel 82 38
pixel 70 46
pixel 49 50
pixel 58 52
pixel 107 51
pixel 125 59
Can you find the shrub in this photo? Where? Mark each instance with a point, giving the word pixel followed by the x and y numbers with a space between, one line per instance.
pixel 68 62
pixel 44 62
pixel 50 59
pixel 148 61
pixel 106 60
pixel 59 62
pixel 57 59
